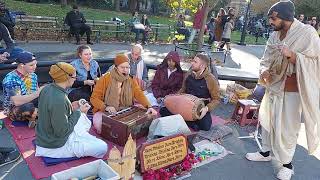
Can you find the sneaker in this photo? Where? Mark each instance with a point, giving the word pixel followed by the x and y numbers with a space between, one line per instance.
pixel 285 173
pixel 89 42
pixel 9 157
pixel 257 157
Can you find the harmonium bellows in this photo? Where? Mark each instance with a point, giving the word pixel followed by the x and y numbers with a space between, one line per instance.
pixel 117 127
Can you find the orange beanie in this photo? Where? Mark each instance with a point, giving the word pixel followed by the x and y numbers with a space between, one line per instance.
pixel 120 58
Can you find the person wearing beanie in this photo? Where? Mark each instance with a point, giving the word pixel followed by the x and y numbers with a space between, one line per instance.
pixel 62 129
pixel 20 90
pixel 200 82
pixel 115 91
pixel 168 77
pixel 289 69
pixel 77 23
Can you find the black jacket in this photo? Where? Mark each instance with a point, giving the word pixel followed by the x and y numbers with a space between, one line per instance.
pixel 5 36
pixel 74 17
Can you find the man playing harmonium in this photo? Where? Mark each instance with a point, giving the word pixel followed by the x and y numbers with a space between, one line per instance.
pixel 201 84
pixel 117 90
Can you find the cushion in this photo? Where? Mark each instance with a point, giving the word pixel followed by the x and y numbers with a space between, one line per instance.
pixel 48 161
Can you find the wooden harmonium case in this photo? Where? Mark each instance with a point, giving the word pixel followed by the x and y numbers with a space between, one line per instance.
pixel 117 127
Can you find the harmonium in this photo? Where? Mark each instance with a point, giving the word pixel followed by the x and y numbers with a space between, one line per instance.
pixel 117 127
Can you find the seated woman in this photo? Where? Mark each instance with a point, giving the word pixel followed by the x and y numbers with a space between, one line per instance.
pixel 168 78
pixel 87 73
pixel 116 90
pixel 62 129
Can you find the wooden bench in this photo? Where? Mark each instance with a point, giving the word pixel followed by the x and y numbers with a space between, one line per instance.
pixel 161 29
pixel 48 26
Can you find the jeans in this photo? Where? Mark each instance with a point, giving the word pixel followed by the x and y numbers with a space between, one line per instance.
pixel 137 32
pixel 13 54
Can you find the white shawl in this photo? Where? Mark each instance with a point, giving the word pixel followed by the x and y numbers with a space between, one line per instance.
pixel 304 41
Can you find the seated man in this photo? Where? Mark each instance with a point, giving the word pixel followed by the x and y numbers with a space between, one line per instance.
pixel 181 27
pixel 20 89
pixel 202 84
pixel 77 23
pixel 138 68
pixel 62 130
pixel 117 90
pixel 10 51
pixel 136 27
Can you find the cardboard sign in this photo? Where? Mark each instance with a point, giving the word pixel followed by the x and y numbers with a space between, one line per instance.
pixel 163 152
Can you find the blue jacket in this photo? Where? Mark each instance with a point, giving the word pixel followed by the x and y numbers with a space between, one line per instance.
pixel 81 70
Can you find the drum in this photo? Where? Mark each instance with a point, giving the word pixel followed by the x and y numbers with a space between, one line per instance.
pixel 187 105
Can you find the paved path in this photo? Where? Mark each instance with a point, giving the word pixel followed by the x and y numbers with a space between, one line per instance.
pixel 232 167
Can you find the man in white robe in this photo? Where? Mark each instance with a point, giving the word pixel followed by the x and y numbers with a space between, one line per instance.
pixel 290 71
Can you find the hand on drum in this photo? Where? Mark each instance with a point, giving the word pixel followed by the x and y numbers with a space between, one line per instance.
pixel 111 110
pixel 203 111
pixel 152 112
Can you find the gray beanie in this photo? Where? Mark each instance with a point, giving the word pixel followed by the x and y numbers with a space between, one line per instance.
pixel 284 10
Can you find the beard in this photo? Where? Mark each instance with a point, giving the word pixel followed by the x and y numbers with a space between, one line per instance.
pixel 278 28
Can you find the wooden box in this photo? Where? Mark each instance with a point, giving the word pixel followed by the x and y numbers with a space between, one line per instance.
pixel 116 128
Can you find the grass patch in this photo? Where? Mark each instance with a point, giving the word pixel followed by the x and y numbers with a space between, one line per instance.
pixel 55 10
pixel 236 36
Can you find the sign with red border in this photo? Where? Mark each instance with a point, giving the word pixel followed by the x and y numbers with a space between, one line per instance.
pixel 163 152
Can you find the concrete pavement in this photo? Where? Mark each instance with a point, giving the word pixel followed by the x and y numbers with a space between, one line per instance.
pixel 232 167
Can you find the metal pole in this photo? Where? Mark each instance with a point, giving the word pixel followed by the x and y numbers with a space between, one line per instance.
pixel 244 29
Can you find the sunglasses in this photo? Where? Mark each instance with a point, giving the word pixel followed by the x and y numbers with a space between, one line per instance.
pixel 70 75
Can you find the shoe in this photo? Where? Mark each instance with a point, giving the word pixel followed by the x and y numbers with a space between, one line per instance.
pixel 32 124
pixel 9 157
pixel 285 173
pixel 77 43
pixel 257 157
pixel 90 43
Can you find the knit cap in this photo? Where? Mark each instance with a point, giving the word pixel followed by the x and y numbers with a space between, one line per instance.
pixel 120 58
pixel 61 72
pixel 283 9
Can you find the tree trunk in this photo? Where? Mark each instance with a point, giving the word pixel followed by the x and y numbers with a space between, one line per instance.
pixel 133 4
pixel 63 3
pixel 203 24
pixel 117 5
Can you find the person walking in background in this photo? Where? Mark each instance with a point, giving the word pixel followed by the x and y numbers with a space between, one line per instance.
pixel 211 27
pixel 218 29
pixel 198 16
pixel 226 35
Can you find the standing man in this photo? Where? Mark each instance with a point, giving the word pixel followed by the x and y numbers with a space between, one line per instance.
pixel 202 84
pixel 20 89
pixel 290 71
pixel 77 23
pixel 198 16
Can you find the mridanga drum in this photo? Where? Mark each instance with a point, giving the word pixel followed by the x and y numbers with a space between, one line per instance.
pixel 187 105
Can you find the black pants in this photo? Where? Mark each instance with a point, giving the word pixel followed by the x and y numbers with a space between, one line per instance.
pixel 184 32
pixel 137 32
pixel 201 124
pixel 80 93
pixel 211 38
pixel 80 29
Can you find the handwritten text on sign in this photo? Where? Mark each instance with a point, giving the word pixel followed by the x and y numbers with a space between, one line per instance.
pixel 164 153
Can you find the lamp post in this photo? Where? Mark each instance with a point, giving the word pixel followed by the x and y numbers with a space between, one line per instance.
pixel 244 29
